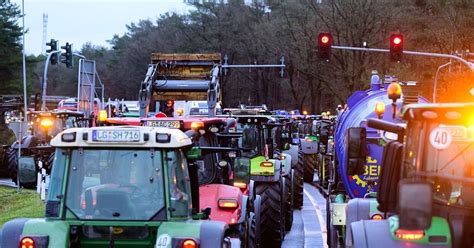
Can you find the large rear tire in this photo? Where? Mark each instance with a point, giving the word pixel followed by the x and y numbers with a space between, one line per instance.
pixel 272 217
pixel 298 182
pixel 288 203
pixel 12 163
pixel 309 162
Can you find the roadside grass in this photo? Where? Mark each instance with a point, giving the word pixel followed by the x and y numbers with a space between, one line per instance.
pixel 25 204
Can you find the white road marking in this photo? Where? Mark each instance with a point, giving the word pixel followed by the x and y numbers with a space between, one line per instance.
pixel 322 222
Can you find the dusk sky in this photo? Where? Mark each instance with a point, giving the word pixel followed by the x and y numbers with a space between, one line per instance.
pixel 82 21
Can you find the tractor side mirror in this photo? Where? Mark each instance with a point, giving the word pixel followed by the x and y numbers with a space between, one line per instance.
pixel 414 205
pixel 27 170
pixel 356 150
pixel 241 172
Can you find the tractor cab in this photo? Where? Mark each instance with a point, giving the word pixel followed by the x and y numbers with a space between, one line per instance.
pixel 47 124
pixel 431 165
pixel 121 187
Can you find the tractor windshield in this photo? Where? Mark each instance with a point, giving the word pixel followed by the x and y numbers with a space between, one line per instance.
pixel 116 184
pixel 448 160
pixel 450 153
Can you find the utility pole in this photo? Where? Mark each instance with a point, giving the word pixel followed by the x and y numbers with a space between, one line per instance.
pixel 45 33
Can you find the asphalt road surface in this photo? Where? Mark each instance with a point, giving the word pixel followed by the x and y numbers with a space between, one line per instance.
pixel 309 223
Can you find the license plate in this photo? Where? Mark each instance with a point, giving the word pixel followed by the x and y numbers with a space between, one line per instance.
pixel 165 124
pixel 116 135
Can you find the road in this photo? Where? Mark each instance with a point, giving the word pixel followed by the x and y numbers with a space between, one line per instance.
pixel 309 223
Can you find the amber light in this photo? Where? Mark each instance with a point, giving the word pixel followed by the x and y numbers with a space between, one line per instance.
pixel 379 108
pixel 27 242
pixel 196 125
pixel 394 91
pixel 409 234
pixel 102 115
pixel 377 217
pixel 180 111
pixel 309 140
pixel 189 243
pixel 228 203
pixel 46 122
pixel 266 164
pixel 240 185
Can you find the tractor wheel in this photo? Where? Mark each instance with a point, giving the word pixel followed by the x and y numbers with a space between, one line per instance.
pixel 12 163
pixel 272 217
pixel 251 241
pixel 288 203
pixel 298 182
pixel 325 168
pixel 309 162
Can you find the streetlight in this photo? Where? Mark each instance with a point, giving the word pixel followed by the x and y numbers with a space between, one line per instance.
pixel 436 80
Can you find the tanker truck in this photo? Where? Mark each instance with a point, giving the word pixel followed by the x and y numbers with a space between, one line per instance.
pixel 358 153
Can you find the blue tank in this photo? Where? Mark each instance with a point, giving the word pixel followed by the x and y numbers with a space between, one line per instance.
pixel 360 107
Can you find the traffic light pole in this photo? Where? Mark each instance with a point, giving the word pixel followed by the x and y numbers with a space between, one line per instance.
pixel 438 55
pixel 45 79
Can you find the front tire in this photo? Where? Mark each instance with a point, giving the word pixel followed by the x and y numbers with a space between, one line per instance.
pixel 308 161
pixel 298 182
pixel 271 224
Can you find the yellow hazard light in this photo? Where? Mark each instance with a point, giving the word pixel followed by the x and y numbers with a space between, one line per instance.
pixel 305 112
pixel 102 115
pixel 377 217
pixel 379 109
pixel 394 91
pixel 228 203
pixel 180 112
pixel 46 122
pixel 196 125
pixel 240 185
pixel 409 234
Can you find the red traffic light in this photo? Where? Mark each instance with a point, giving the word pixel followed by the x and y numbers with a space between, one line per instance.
pixel 325 39
pixel 396 47
pixel 324 46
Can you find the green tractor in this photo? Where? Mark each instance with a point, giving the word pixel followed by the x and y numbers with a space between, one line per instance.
pixel 271 172
pixel 426 187
pixel 36 152
pixel 121 187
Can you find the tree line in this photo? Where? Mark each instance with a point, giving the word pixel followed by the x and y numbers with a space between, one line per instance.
pixel 262 32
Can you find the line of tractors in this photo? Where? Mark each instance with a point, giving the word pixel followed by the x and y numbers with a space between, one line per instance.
pixel 186 172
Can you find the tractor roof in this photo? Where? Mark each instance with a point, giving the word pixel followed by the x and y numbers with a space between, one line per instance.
pixel 122 136
pixel 56 113
pixel 441 112
pixel 256 119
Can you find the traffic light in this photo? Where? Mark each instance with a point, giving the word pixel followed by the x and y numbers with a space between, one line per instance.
pixel 396 47
pixel 324 46
pixel 53 44
pixel 67 55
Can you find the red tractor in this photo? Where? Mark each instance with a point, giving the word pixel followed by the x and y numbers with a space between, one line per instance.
pixel 225 185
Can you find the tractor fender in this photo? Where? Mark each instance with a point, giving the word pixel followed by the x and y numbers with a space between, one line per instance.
pixel 26 142
pixel 293 152
pixel 357 209
pixel 251 190
pixel 11 232
pixel 288 163
pixel 373 233
pixel 243 210
pixel 274 178
pixel 212 234
pixel 309 147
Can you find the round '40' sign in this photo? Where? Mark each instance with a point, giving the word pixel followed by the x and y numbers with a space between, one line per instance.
pixel 440 138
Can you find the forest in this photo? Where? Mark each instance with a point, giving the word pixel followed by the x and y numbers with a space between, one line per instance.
pixel 261 33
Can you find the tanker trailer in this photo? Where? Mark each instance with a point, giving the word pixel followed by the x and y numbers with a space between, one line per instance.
pixel 355 145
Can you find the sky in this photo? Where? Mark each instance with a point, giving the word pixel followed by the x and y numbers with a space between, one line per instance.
pixel 82 21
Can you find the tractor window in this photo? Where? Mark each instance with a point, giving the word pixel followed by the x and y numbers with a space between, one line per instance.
pixel 119 184
pixel 412 151
pixel 57 175
pixel 207 166
pixel 250 140
pixel 178 180
pixel 449 152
